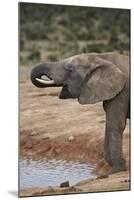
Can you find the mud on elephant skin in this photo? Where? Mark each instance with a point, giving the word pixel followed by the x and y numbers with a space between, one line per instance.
pixel 92 78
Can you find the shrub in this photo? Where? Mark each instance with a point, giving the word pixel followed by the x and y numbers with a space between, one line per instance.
pixel 34 55
pixel 35 31
pixel 52 57
pixel 22 44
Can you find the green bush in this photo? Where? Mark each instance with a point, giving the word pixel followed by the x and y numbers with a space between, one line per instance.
pixel 35 31
pixel 34 55
pixel 22 44
pixel 63 28
pixel 98 48
pixel 52 57
pixel 85 36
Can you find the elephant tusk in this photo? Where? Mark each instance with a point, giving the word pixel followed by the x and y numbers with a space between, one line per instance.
pixel 46 82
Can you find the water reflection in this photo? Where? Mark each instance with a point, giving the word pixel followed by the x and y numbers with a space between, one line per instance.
pixel 43 173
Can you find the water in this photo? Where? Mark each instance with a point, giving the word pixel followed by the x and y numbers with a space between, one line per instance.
pixel 44 173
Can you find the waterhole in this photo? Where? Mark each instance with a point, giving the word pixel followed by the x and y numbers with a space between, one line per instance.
pixel 44 173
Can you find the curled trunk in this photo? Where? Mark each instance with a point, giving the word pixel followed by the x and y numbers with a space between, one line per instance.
pixel 38 72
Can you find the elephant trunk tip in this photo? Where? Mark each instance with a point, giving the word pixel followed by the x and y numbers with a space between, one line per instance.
pixel 37 76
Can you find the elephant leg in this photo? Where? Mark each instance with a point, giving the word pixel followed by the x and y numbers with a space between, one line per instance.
pixel 113 146
pixel 115 124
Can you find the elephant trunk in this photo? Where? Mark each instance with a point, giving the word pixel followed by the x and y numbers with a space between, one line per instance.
pixel 38 72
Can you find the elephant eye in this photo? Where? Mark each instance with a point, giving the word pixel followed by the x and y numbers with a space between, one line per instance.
pixel 69 68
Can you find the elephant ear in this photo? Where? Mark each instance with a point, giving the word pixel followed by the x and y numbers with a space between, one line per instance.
pixel 103 81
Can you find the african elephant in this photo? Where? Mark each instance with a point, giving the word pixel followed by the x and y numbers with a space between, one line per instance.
pixel 91 78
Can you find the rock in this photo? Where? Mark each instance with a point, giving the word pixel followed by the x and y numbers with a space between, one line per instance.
pixel 64 184
pixel 33 133
pixel 46 138
pixel 71 138
pixel 102 176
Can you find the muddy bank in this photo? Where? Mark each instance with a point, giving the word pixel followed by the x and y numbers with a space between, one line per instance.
pixel 83 148
pixel 115 182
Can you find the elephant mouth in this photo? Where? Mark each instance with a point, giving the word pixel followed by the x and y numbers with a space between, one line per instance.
pixel 46 80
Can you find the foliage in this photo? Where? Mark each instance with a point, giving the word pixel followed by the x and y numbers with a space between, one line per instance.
pixel 34 55
pixel 61 31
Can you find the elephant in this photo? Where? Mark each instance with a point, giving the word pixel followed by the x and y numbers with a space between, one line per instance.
pixel 92 78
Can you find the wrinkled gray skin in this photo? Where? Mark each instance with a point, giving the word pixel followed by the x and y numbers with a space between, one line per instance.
pixel 92 78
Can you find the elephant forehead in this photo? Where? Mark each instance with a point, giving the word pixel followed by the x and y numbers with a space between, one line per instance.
pixel 81 63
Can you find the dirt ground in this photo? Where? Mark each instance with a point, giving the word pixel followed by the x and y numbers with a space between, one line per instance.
pixel 64 129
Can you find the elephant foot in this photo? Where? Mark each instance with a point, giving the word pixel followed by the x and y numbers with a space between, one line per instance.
pixel 119 166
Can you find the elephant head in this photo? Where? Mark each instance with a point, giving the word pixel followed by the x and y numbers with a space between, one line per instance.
pixel 87 77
